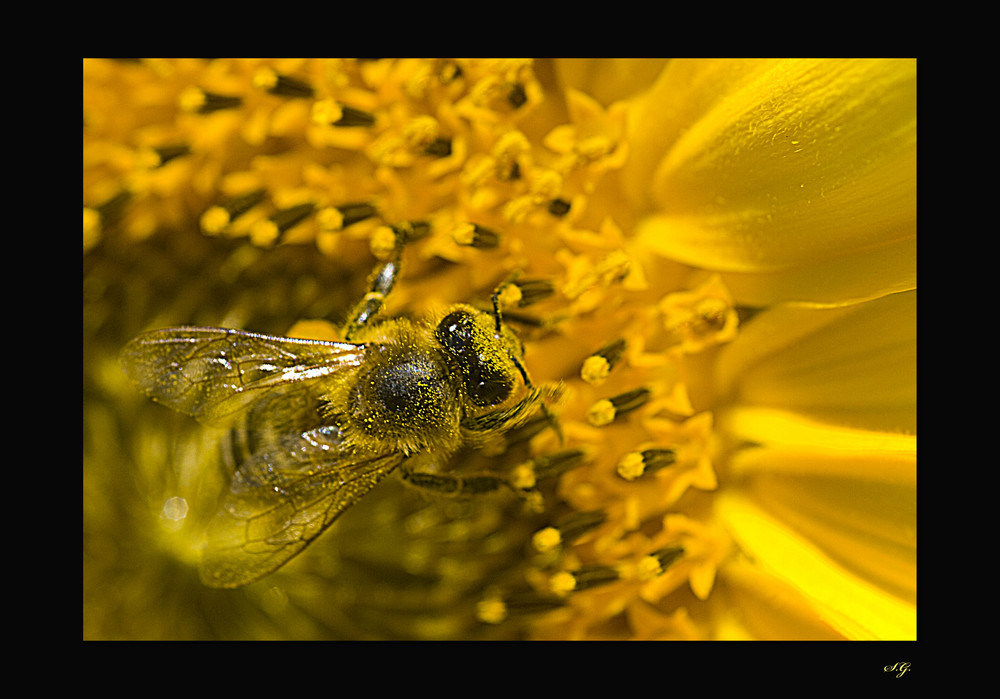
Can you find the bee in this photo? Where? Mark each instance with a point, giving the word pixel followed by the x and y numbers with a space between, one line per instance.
pixel 325 421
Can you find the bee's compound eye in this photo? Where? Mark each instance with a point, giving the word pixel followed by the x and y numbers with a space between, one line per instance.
pixel 487 385
pixel 478 355
pixel 455 333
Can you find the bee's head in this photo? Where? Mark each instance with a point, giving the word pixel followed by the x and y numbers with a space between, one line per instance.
pixel 485 356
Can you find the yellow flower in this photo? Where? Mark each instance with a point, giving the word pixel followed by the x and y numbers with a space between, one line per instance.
pixel 713 260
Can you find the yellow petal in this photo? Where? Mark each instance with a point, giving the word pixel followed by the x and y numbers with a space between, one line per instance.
pixel 608 79
pixel 850 366
pixel 844 601
pixel 851 493
pixel 685 91
pixel 861 276
pixel 754 605
pixel 753 166
pixel 795 445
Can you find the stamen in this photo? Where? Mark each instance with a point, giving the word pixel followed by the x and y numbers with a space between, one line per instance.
pixel 508 296
pixel 583 578
pixel 449 72
pixel 491 610
pixel 112 209
pixel 354 117
pixel 546 539
pixel 494 609
pixel 601 413
pixel 268 231
pixel 605 411
pixel 657 562
pixel 195 100
pixel 420 131
pixel 596 367
pixel 522 477
pixel 336 218
pixel 476 236
pixel 516 95
pixel 568 529
pixel 506 153
pixel 533 426
pixel 746 313
pixel 711 316
pixel 217 218
pixel 409 231
pixel 532 291
pixel 636 464
pixel 282 85
pixel 551 465
pixel 611 269
pixel 158 157
pixel 668 555
pixel 438 148
pixel 648 568
pixel 576 524
pixel 700 318
pixel 291 216
pixel 703 319
pixel 326 111
pixel 333 113
pixel 384 242
pixel 559 207
pixel 91 227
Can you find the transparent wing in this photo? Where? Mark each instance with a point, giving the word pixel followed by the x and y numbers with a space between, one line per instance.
pixel 214 373
pixel 281 499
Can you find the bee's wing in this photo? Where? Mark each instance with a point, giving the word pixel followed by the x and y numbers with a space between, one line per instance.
pixel 212 373
pixel 281 499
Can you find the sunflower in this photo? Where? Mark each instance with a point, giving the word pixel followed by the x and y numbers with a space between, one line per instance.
pixel 711 262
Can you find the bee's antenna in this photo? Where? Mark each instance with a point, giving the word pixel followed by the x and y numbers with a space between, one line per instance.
pixel 496 308
pixel 497 316
pixel 498 319
pixel 381 282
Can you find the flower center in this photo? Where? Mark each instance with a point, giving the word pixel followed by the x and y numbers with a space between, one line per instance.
pixel 463 161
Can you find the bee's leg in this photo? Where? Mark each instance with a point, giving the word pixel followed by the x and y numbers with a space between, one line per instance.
pixel 516 415
pixel 453 485
pixel 499 420
pixel 380 284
